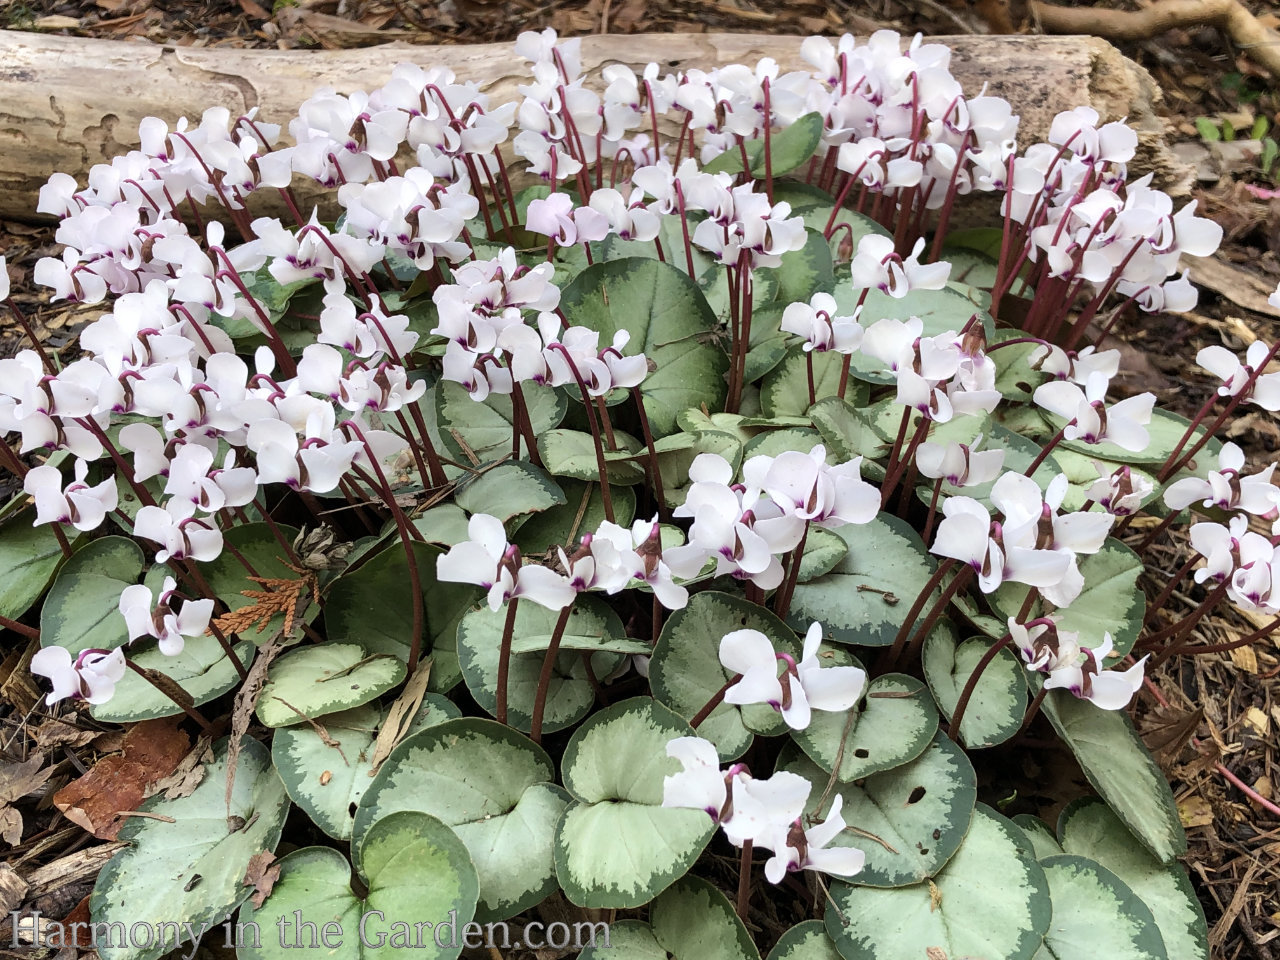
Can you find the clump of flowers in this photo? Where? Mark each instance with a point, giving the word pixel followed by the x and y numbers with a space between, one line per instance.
pixel 700 445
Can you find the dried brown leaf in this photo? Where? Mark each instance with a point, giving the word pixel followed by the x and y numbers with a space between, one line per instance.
pixel 118 783
pixel 188 774
pixel 1166 731
pixel 19 779
pixel 16 781
pixel 1207 756
pixel 1195 811
pixel 246 700
pixel 262 874
pixel 401 713
pixel 10 826
pixel 57 733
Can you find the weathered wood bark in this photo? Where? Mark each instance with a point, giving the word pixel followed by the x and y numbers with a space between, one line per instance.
pixel 68 103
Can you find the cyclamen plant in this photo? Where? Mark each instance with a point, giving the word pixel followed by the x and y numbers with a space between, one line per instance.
pixel 587 458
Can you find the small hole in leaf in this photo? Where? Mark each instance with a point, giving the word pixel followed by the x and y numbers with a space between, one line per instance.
pixel 924 851
pixel 351 810
pixel 916 795
pixel 937 834
pixel 861 753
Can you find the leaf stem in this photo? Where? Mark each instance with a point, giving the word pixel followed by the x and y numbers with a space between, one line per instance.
pixel 922 598
pixel 782 599
pixel 717 698
pixel 544 678
pixel 744 881
pixel 606 496
pixel 406 541
pixel 504 660
pixel 31 633
pixel 953 730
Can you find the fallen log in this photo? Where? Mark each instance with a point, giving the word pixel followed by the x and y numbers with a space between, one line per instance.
pixel 67 103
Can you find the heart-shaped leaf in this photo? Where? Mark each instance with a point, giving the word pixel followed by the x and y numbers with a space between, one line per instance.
pixel 990 900
pixel 733 424
pixel 582 512
pixel 327 777
pixel 909 820
pixel 628 940
pixel 616 845
pixel 443 525
pixel 511 490
pixel 972 268
pixel 1165 430
pixel 770 443
pixel 314 681
pixel 1121 769
pixel 484 427
pixel 865 598
pixel 1015 379
pixel 846 430
pixel 998 702
pixel 1087 827
pixel 572 453
pixel 1110 602
pixel 803 272
pixel 1038 834
pixel 373 606
pixel 82 610
pixel 184 867
pixel 805 941
pixel 893 723
pixel 785 389
pixel 1096 915
pixel 421 896
pixel 570 695
pixel 674 463
pixel 671 228
pixel 667 317
pixel 823 550
pixel 693 920
pixel 201 669
pixel 686 671
pixel 29 557
pixel 787 149
pixel 491 786
pixel 940 310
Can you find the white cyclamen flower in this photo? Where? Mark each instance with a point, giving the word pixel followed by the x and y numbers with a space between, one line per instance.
pixel 82 506
pixel 802 688
pixel 1225 488
pixel 700 785
pixel 92 676
pixel 797 848
pixel 144 620
pixel 487 560
pixel 1089 418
